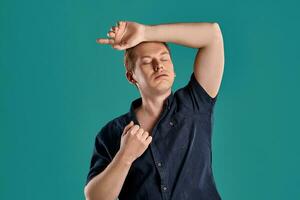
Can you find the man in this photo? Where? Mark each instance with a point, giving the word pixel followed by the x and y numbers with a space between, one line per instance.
pixel 161 148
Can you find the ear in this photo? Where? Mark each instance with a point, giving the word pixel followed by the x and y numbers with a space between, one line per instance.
pixel 129 76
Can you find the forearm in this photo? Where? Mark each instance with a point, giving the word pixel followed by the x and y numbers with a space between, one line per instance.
pixel 195 35
pixel 108 184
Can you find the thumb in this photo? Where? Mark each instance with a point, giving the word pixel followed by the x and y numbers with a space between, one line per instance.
pixel 121 46
pixel 127 127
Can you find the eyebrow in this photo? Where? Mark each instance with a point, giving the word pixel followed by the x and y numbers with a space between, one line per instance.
pixel 162 53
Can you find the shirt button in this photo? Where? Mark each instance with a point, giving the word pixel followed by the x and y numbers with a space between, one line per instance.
pixel 159 164
pixel 171 123
pixel 164 188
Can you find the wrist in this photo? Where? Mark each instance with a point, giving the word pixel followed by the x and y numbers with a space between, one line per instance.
pixel 147 33
pixel 121 157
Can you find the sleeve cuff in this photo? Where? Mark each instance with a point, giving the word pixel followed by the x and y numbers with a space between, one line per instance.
pixel 200 90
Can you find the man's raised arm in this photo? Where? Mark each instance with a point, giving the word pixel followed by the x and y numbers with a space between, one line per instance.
pixel 207 37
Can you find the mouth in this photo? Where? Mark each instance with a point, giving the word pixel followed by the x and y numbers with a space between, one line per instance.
pixel 160 76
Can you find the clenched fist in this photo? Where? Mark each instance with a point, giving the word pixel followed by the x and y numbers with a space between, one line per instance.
pixel 134 141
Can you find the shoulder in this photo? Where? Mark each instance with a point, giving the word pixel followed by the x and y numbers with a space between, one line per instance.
pixel 194 97
pixel 108 136
pixel 114 126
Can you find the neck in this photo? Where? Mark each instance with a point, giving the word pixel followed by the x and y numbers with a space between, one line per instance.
pixel 153 105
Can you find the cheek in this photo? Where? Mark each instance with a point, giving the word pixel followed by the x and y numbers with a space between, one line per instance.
pixel 170 68
pixel 146 71
pixel 141 75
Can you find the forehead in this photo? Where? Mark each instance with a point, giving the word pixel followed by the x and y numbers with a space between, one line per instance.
pixel 150 49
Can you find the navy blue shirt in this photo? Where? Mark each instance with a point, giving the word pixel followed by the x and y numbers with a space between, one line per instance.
pixel 177 165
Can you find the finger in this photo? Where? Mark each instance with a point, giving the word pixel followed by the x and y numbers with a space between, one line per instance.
pixel 113 28
pixel 140 132
pixel 118 47
pixel 111 34
pixel 127 127
pixel 120 31
pixel 120 23
pixel 121 46
pixel 149 140
pixel 145 135
pixel 114 31
pixel 105 41
pixel 134 129
pixel 122 27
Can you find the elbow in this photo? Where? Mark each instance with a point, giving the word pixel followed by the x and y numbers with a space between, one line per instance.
pixel 87 193
pixel 217 32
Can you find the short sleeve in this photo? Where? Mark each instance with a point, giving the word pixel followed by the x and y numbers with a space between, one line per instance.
pixel 102 154
pixel 195 97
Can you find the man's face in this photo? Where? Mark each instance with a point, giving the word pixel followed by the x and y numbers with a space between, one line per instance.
pixel 154 70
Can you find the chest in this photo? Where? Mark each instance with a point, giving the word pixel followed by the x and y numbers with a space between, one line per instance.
pixel 146 123
pixel 178 138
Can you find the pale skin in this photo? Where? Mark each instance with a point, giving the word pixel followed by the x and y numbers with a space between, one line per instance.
pixel 208 69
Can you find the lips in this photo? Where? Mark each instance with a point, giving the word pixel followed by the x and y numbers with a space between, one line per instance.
pixel 161 75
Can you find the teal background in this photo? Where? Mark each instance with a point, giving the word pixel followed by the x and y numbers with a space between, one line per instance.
pixel 58 88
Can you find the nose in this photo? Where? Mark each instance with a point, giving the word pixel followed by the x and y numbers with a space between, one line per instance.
pixel 157 66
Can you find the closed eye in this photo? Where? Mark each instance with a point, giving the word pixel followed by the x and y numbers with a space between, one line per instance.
pixel 144 63
pixel 149 61
pixel 165 58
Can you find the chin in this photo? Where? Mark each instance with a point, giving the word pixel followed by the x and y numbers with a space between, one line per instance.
pixel 163 87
